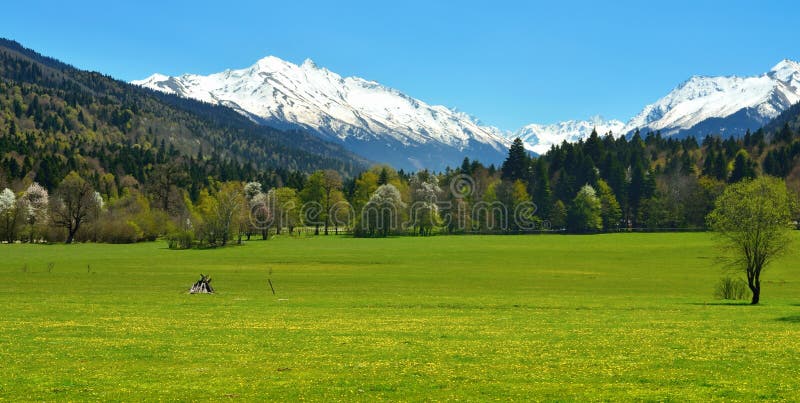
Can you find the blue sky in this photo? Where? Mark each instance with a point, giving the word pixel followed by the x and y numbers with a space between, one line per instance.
pixel 507 63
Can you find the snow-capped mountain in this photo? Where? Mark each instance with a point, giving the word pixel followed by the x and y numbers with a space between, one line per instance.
pixel 701 105
pixel 370 119
pixel 539 138
pixel 386 125
pixel 722 105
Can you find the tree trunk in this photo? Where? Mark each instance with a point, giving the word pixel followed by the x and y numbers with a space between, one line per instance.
pixel 754 283
pixel 71 231
pixel 756 295
pixel 70 237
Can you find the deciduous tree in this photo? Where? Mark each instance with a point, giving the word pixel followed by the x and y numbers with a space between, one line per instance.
pixel 584 214
pixel 610 212
pixel 9 213
pixel 73 204
pixel 36 201
pixel 753 221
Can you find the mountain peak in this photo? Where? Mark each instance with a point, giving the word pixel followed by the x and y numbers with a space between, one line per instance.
pixel 271 63
pixel 786 63
pixel 309 64
pixel 726 105
pixel 785 69
pixel 155 78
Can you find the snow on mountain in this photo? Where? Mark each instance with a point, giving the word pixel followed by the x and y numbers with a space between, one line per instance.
pixel 699 106
pixel 539 138
pixel 722 105
pixel 375 121
pixel 386 125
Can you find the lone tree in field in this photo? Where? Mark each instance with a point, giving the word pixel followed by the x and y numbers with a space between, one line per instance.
pixel 753 221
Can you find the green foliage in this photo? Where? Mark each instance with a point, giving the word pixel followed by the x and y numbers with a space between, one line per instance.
pixel 220 215
pixel 517 164
pixel 584 215
pixel 743 167
pixel 753 221
pixel 540 188
pixel 287 209
pixel 313 198
pixel 180 239
pixel 610 212
pixel 512 195
pixel 129 219
pixel 558 215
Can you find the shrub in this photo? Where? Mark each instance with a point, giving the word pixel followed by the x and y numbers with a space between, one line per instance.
pixel 118 231
pixel 731 288
pixel 153 223
pixel 182 239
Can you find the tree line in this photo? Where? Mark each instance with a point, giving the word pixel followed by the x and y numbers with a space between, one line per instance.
pixel 643 182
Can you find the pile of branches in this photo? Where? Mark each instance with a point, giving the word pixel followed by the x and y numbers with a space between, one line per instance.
pixel 202 286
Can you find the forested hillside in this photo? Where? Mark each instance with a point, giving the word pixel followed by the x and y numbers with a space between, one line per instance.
pixel 55 119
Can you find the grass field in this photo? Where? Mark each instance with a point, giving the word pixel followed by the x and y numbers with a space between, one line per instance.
pixel 626 316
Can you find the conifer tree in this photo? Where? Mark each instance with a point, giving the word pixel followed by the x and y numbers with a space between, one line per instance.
pixel 517 164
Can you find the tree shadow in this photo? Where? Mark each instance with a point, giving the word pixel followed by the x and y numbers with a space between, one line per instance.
pixel 723 303
pixel 789 319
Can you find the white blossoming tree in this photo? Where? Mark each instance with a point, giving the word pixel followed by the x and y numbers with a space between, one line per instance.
pixel 424 210
pixel 383 213
pixel 8 215
pixel 35 200
pixel 258 206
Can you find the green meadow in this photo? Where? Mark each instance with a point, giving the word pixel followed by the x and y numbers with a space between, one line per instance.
pixel 603 317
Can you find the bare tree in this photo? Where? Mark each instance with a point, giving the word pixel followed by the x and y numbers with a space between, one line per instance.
pixel 73 204
pixel 164 181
